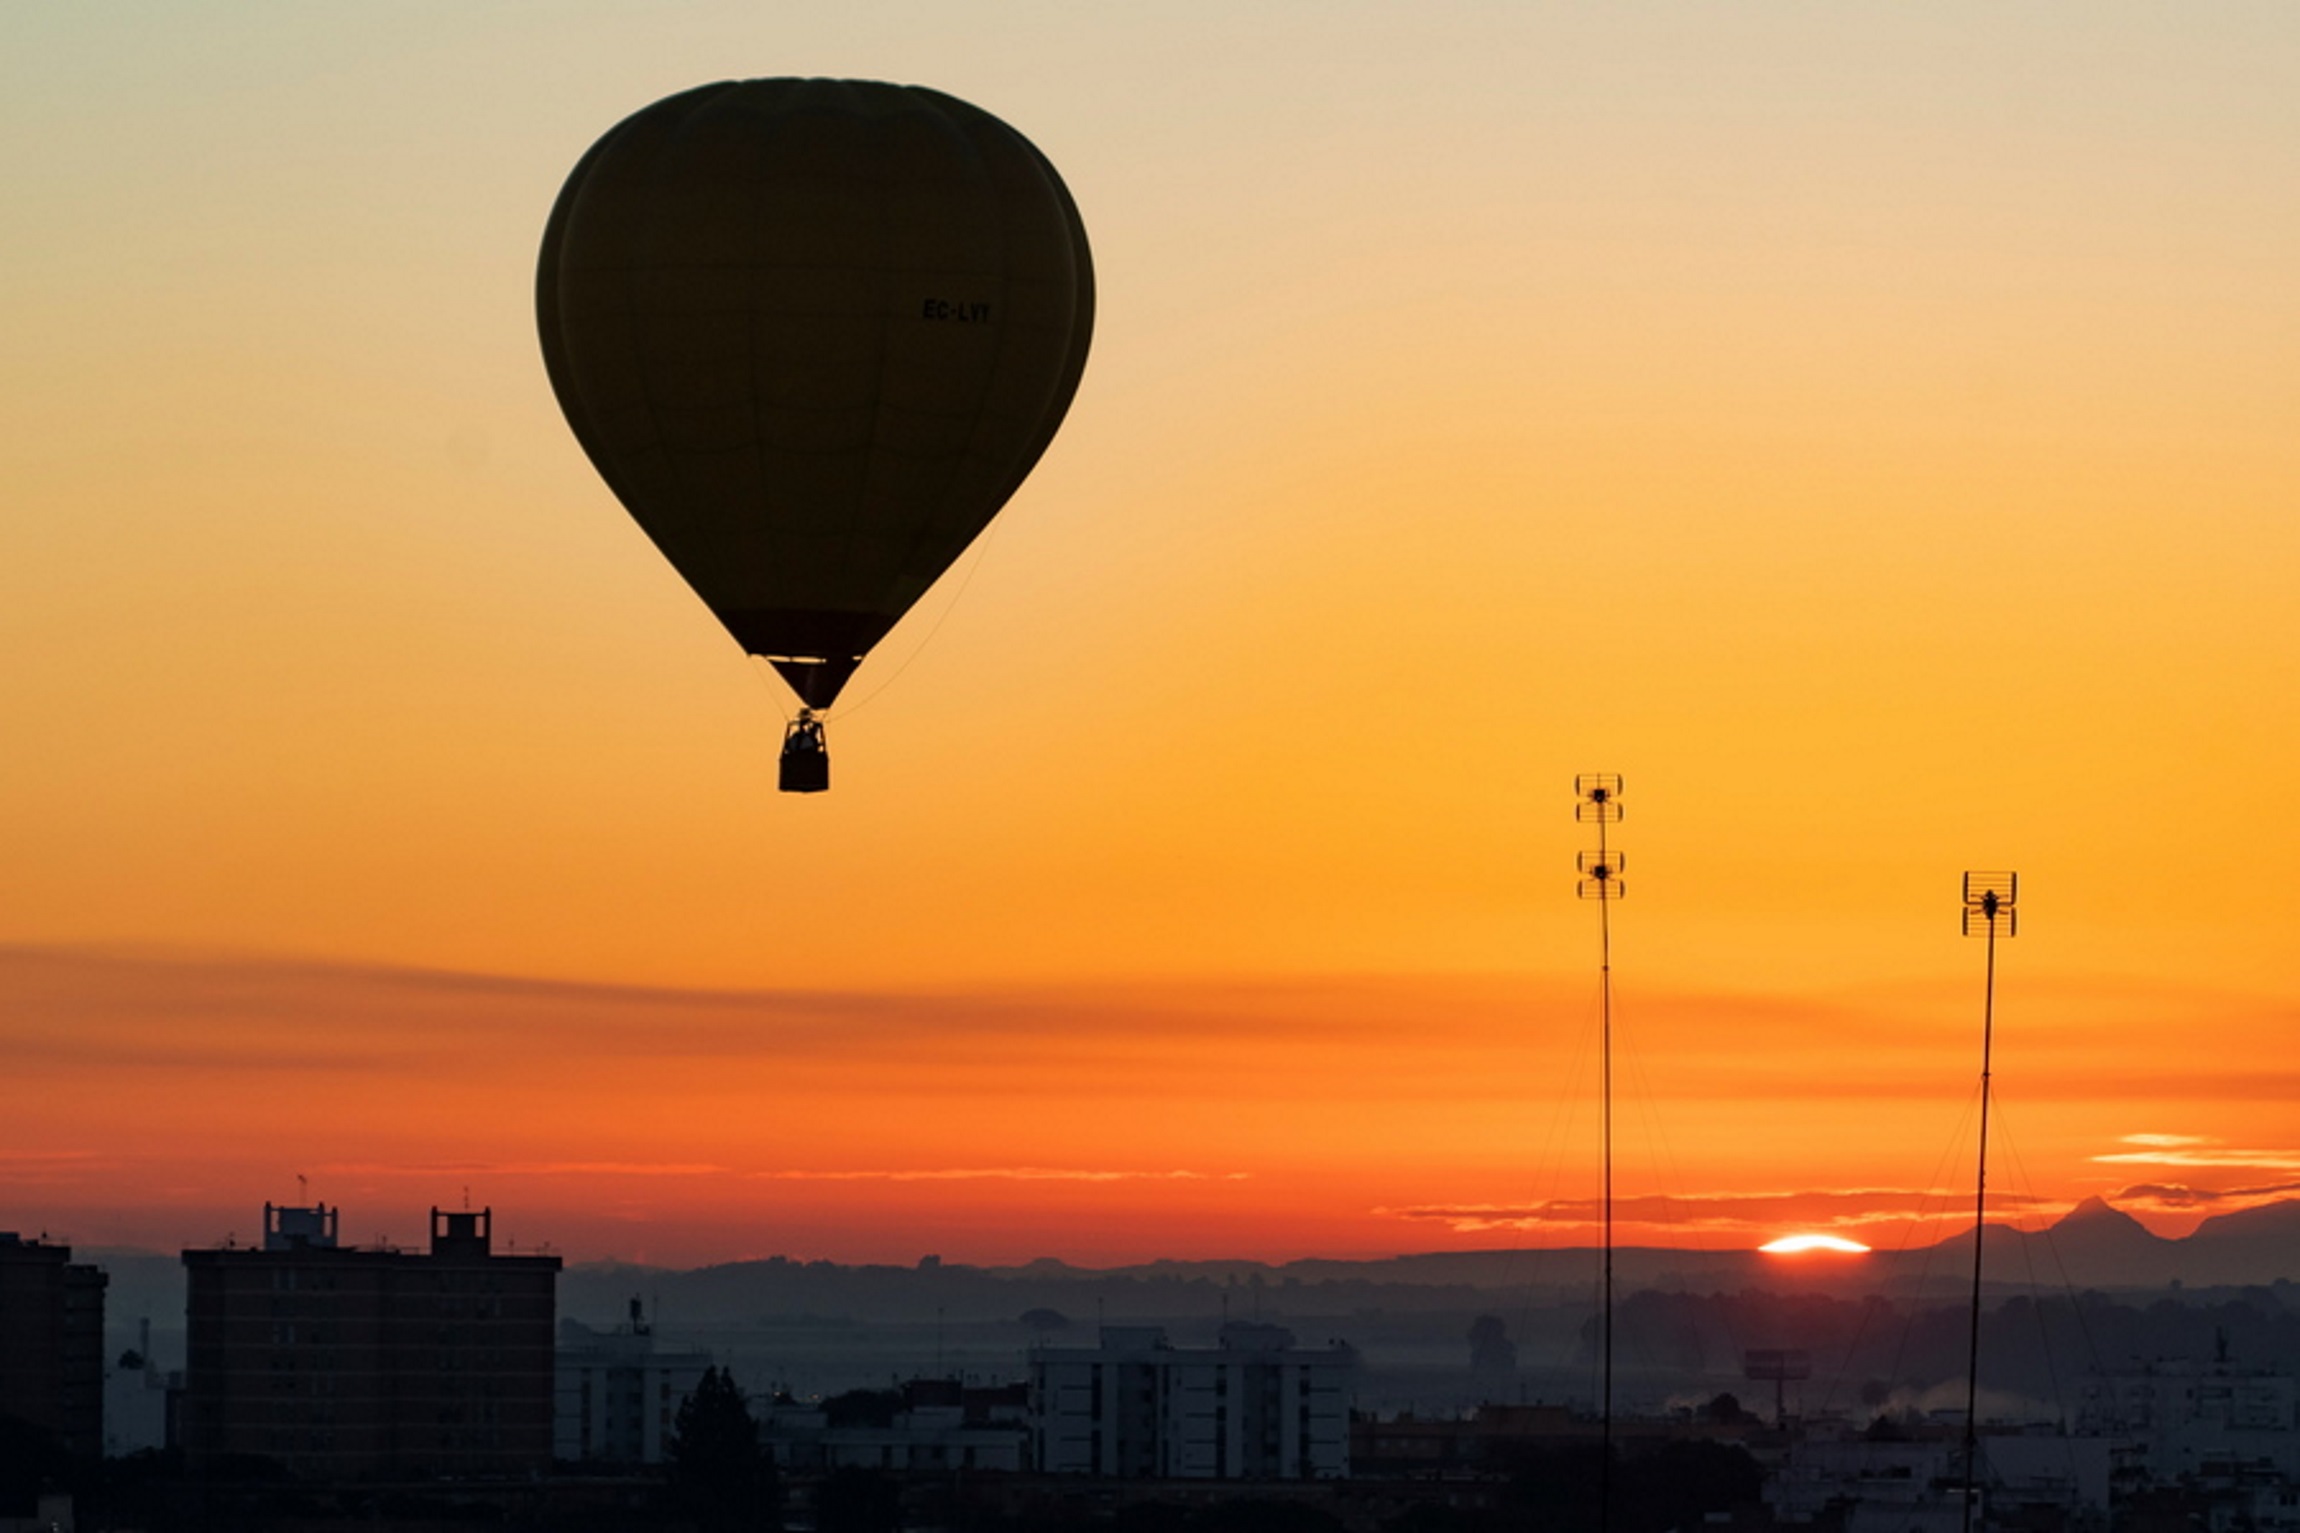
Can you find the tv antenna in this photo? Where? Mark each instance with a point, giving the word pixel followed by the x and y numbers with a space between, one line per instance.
pixel 1783 1366
pixel 1598 802
pixel 1989 914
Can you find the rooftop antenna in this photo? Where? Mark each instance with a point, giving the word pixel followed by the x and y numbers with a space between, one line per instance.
pixel 1783 1366
pixel 1989 913
pixel 1598 802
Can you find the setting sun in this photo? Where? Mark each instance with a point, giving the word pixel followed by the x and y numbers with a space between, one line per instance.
pixel 1797 1245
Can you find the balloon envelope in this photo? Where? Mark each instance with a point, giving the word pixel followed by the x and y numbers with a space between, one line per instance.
pixel 813 334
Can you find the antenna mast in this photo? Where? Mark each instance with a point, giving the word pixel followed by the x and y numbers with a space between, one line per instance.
pixel 1989 913
pixel 1598 796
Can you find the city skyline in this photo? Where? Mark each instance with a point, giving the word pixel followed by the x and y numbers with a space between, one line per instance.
pixel 1868 434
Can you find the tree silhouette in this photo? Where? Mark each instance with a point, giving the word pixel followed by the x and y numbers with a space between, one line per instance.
pixel 1490 1349
pixel 723 1476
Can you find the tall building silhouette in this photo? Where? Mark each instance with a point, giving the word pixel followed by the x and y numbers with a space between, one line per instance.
pixel 1137 1407
pixel 52 1342
pixel 343 1363
pixel 620 1391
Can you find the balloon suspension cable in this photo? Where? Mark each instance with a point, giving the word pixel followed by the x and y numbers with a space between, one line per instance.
pixel 980 550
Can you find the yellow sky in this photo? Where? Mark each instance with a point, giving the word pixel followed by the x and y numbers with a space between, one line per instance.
pixel 1867 430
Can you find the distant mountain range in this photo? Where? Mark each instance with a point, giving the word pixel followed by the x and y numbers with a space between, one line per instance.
pixel 2095 1246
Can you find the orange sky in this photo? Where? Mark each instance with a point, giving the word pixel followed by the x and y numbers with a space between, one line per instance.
pixel 1869 433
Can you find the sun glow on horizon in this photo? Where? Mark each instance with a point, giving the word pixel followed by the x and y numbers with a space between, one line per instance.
pixel 1797 1245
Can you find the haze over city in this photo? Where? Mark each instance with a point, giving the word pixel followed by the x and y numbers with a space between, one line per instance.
pixel 1868 431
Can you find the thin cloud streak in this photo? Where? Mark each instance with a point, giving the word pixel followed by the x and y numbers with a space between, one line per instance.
pixel 659 1095
pixel 1003 1174
pixel 87 1004
pixel 125 1011
pixel 1719 1211
pixel 530 1168
pixel 2178 1196
pixel 2240 1160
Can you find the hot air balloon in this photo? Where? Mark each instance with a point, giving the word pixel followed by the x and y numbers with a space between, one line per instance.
pixel 813 334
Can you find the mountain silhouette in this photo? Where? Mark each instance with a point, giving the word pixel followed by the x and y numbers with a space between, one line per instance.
pixel 2252 1245
pixel 2094 1246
